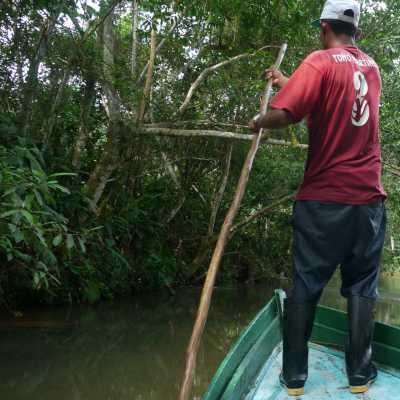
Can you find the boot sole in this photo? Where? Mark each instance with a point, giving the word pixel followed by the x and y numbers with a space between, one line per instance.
pixel 362 388
pixel 295 392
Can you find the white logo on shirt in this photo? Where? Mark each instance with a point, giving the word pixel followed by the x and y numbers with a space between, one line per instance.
pixel 360 114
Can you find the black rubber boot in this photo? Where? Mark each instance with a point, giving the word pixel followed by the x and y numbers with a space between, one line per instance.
pixel 298 320
pixel 360 369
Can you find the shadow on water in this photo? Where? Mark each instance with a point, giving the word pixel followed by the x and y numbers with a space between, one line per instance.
pixel 131 349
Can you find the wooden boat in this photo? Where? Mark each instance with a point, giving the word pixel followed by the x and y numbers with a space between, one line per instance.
pixel 251 369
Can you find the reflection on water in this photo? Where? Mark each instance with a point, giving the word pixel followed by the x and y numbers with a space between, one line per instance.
pixel 132 349
pixel 388 308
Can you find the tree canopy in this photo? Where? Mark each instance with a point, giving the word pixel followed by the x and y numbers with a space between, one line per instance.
pixel 124 127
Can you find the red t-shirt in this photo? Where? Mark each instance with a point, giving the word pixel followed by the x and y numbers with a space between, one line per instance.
pixel 338 90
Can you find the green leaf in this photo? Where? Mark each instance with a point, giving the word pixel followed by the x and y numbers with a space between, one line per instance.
pixel 10 191
pixel 92 293
pixel 36 280
pixel 82 245
pixel 18 236
pixel 42 266
pixel 62 174
pixel 9 213
pixel 28 216
pixel 57 240
pixel 60 188
pixel 55 279
pixel 12 228
pixel 70 242
pixel 23 256
pixel 39 234
pixel 38 197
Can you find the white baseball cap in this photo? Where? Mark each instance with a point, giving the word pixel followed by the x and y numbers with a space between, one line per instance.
pixel 342 10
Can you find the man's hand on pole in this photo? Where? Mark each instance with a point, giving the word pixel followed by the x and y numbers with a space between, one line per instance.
pixel 278 79
pixel 254 124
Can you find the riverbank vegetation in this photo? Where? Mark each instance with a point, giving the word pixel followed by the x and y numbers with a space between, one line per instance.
pixel 123 127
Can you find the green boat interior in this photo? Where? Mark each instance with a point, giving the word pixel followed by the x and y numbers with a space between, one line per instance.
pixel 251 369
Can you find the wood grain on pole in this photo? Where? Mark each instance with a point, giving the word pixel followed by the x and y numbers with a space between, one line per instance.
pixel 202 313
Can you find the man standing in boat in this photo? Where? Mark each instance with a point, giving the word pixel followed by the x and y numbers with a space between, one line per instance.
pixel 339 216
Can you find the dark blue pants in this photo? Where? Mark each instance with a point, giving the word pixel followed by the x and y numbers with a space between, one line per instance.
pixel 326 235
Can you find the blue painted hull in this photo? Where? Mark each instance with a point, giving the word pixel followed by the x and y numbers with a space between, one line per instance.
pixel 327 379
pixel 251 369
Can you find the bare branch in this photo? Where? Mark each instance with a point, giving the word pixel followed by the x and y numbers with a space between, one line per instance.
pixel 192 133
pixel 205 247
pixel 178 207
pixel 83 133
pixel 76 23
pixel 188 65
pixel 159 47
pixel 95 24
pixel 220 193
pixel 262 212
pixel 203 123
pixel 149 79
pixel 135 20
pixel 393 171
pixel 393 168
pixel 49 124
pixel 109 160
pixel 210 70
pixel 112 103
pixel 144 130
pixel 31 86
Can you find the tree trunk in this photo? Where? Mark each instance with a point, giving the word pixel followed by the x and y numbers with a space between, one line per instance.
pixel 220 193
pixel 106 166
pixel 135 24
pixel 157 50
pixel 32 79
pixel 111 102
pixel 111 155
pixel 86 104
pixel 204 249
pixel 149 79
pixel 48 126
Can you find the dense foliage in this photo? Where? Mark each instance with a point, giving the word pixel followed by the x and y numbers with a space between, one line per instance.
pixel 111 181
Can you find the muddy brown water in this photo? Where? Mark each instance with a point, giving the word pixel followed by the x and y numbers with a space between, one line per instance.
pixel 134 348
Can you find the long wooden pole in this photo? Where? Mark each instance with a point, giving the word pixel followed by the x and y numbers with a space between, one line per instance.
pixel 202 313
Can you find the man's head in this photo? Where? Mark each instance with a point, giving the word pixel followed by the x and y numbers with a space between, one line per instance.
pixel 339 22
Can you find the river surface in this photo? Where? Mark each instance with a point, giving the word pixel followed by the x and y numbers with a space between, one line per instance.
pixel 134 348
